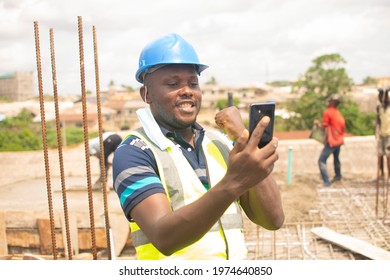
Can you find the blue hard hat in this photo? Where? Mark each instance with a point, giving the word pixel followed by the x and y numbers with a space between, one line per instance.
pixel 170 49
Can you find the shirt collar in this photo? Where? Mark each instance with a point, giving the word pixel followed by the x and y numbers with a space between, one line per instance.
pixel 177 138
pixel 158 134
pixel 197 128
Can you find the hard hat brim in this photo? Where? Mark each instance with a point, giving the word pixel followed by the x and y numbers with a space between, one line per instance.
pixel 140 73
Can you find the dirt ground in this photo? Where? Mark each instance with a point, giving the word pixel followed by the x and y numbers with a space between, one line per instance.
pixel 348 207
pixel 298 197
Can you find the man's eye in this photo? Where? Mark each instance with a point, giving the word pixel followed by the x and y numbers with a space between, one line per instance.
pixel 172 84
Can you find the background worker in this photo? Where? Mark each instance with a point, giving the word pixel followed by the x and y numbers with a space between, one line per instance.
pixel 383 124
pixel 111 141
pixel 379 139
pixel 334 123
pixel 180 186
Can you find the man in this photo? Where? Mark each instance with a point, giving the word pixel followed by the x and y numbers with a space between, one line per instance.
pixel 111 141
pixel 180 186
pixel 383 130
pixel 334 123
pixel 381 141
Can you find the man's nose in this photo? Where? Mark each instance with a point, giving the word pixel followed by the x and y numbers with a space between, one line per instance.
pixel 186 90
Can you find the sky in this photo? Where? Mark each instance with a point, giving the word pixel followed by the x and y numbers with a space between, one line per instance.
pixel 244 42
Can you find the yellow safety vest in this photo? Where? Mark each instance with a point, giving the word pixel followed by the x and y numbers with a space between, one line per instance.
pixel 225 240
pixel 384 116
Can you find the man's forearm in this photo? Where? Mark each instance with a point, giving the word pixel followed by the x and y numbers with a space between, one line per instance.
pixel 190 222
pixel 263 205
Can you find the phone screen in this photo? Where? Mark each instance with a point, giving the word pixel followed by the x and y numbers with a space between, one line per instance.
pixel 257 111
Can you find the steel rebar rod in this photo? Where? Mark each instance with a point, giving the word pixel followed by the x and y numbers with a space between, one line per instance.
pixel 274 245
pixel 44 140
pixel 86 145
pixel 377 190
pixel 102 163
pixel 59 145
pixel 385 199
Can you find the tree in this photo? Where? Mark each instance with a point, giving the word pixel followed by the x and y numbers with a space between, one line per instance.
pixel 16 134
pixel 369 81
pixel 223 103
pixel 128 88
pixel 212 81
pixel 280 83
pixel 20 133
pixel 325 77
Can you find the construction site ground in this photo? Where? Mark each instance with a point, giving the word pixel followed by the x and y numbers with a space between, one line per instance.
pixel 347 207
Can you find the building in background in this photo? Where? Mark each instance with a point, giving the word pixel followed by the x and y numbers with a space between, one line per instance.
pixel 383 82
pixel 18 86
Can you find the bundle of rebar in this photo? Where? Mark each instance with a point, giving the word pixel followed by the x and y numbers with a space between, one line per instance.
pixel 59 142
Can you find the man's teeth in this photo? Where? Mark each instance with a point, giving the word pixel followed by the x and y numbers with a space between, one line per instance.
pixel 185 105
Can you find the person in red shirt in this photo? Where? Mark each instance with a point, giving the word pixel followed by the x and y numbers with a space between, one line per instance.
pixel 334 123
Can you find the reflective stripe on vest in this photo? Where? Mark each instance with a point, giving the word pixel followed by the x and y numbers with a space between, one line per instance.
pixel 183 187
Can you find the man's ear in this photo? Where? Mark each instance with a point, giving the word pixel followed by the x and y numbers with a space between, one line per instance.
pixel 144 94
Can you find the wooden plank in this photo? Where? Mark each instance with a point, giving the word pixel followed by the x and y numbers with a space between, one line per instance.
pixel 353 244
pixel 74 239
pixel 28 238
pixel 27 219
pixel 85 242
pixel 45 236
pixel 26 256
pixel 24 238
pixel 32 257
pixel 3 235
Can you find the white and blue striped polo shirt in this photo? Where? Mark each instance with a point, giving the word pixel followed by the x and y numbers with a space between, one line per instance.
pixel 135 171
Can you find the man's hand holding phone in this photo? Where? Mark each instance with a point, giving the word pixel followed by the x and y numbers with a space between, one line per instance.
pixel 248 165
pixel 257 112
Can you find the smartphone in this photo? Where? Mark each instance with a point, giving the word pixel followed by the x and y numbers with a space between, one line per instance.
pixel 256 113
